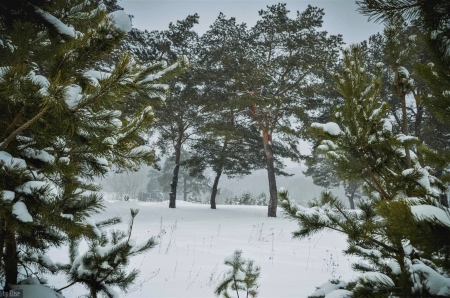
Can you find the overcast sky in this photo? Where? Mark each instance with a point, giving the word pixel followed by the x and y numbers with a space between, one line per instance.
pixel 340 15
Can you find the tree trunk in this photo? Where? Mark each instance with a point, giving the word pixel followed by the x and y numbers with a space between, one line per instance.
pixel 405 130
pixel 214 189
pixel 185 192
pixel 2 239
pixel 218 174
pixel 10 259
pixel 174 184
pixel 350 191
pixel 273 202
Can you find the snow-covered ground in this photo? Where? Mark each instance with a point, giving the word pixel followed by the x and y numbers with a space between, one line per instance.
pixel 188 262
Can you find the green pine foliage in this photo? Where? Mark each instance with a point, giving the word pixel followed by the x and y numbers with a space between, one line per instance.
pixel 242 276
pixel 403 249
pixel 62 123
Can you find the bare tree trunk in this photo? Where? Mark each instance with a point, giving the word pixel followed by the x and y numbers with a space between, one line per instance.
pixel 174 184
pixel 10 259
pixel 273 202
pixel 214 189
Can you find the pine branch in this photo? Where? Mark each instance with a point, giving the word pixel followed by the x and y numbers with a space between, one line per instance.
pixel 22 128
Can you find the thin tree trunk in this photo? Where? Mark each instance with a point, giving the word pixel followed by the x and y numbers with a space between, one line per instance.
pixel 214 189
pixel 218 174
pixel 10 259
pixel 184 188
pixel 174 184
pixel 405 129
pixel 273 202
pixel 350 190
pixel 2 239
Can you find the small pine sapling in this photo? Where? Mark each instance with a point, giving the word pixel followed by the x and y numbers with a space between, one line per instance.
pixel 242 276
pixel 103 266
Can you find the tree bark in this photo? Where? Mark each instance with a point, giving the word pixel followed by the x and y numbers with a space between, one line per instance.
pixel 185 192
pixel 10 260
pixel 405 129
pixel 273 202
pixel 214 189
pixel 174 184
pixel 350 190
pixel 218 174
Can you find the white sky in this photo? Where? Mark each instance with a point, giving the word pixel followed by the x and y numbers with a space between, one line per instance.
pixel 340 15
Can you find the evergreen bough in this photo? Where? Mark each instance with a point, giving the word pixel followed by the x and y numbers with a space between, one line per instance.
pixel 400 230
pixel 65 117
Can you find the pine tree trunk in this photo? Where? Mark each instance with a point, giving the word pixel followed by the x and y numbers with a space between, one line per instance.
pixel 273 202
pixel 218 174
pixel 214 189
pixel 405 128
pixel 185 192
pixel 10 259
pixel 2 239
pixel 174 184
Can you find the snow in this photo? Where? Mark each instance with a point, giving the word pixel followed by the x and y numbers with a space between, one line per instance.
pixel 328 288
pixel 19 209
pixel 60 26
pixel 91 222
pixel 387 125
pixel 330 127
pixel 339 294
pixel 121 20
pixel 240 275
pixel 7 195
pixel 429 212
pixel 38 154
pixel 377 277
pixel 403 71
pixel 184 265
pixel 159 74
pixel 29 186
pixel 141 149
pixel 9 160
pixel 48 263
pixel 40 79
pixel 402 138
pixel 73 95
pixel 68 216
pixel 95 75
pixel 395 267
pixel 423 181
pixel 433 281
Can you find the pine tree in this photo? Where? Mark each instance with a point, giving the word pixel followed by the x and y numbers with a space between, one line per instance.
pixel 400 231
pixel 288 55
pixel 242 276
pixel 176 117
pixel 61 123
pixel 225 133
pixel 104 264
